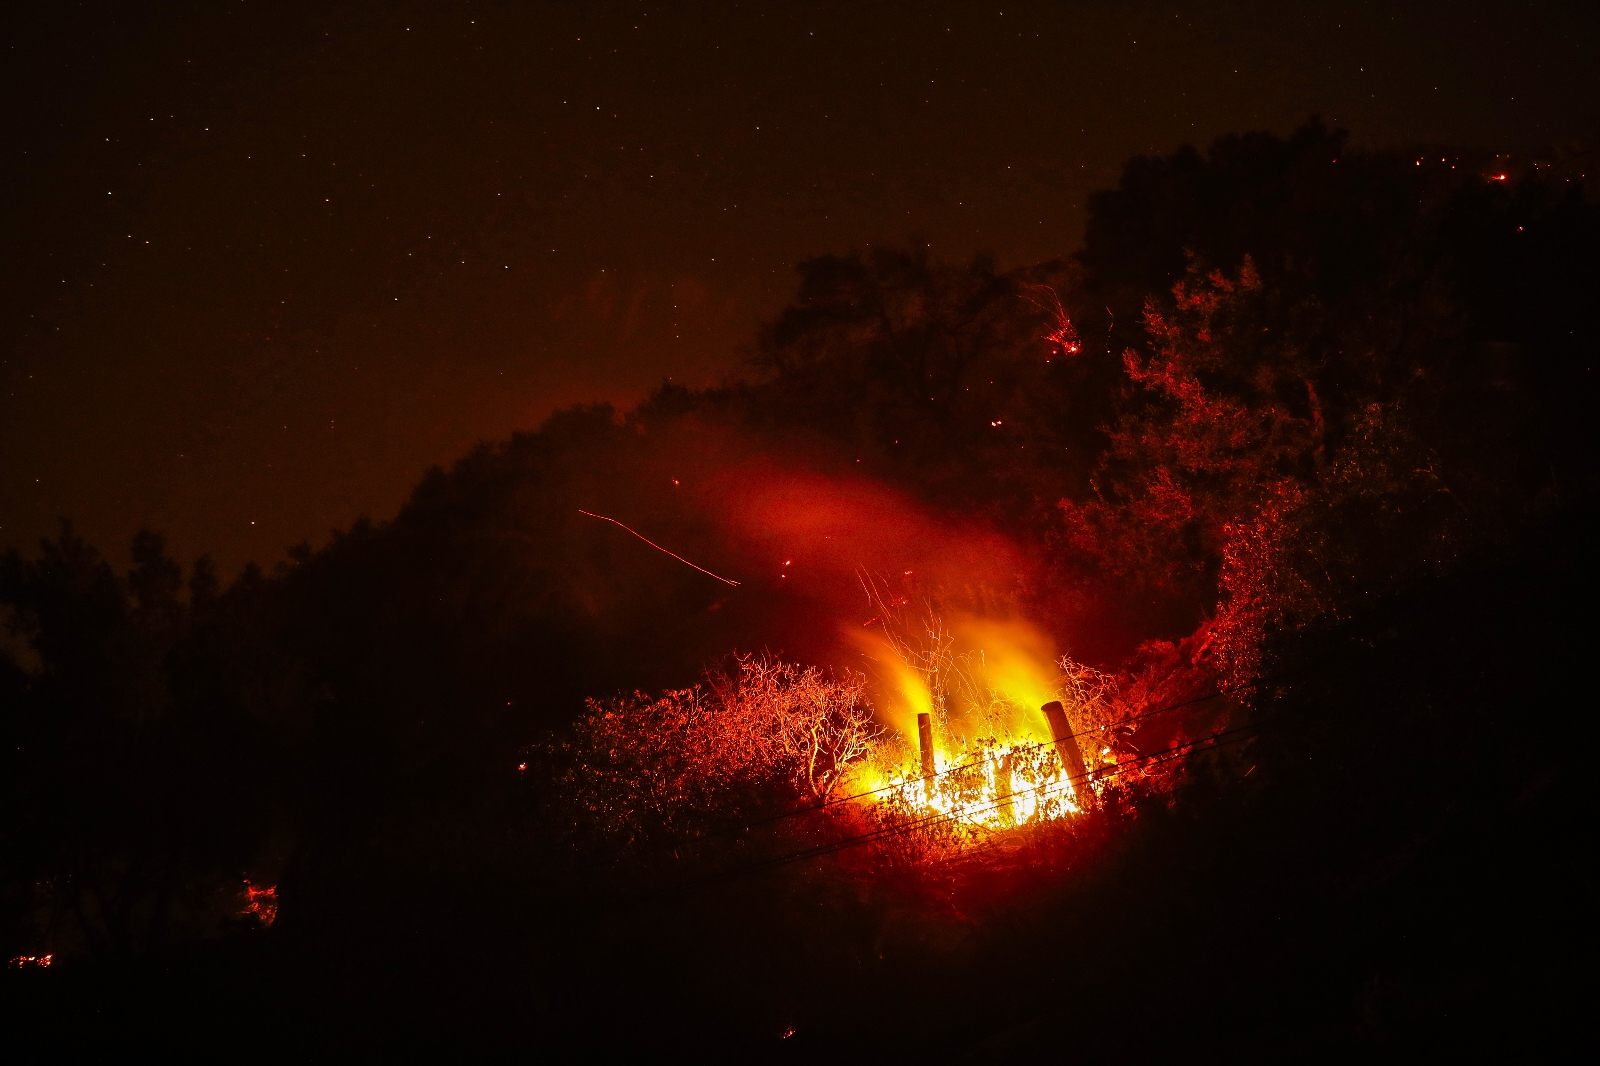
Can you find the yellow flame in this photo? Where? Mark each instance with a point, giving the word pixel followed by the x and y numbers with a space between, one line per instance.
pixel 908 694
pixel 997 767
pixel 1015 662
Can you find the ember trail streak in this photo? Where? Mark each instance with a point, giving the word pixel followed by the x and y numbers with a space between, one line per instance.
pixel 659 548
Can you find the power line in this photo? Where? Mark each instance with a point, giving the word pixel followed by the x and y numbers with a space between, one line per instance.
pixel 1018 748
pixel 746 826
pixel 903 828
pixel 991 803
pixel 1236 735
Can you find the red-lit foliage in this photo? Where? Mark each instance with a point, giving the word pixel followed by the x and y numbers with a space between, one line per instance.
pixel 802 721
pixel 674 765
pixel 1215 434
pixel 1224 484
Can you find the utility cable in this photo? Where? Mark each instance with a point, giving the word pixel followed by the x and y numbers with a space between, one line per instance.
pixel 1236 735
pixel 746 826
pixel 801 811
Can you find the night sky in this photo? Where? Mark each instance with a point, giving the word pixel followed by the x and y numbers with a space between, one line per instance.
pixel 265 263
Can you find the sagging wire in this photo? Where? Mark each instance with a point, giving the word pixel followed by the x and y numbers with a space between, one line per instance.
pixel 1127 765
pixel 1017 748
pixel 1235 735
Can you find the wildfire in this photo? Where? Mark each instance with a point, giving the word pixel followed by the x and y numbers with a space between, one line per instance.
pixel 988 786
pixel 953 728
pixel 22 962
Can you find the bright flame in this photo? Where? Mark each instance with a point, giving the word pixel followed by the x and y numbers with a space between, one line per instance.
pixel 1013 664
pixel 983 682
pixel 908 694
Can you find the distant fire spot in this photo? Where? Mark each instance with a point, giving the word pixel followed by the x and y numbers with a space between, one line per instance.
pixel 260 903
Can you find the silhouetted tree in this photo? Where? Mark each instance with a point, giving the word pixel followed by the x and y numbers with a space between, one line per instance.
pixel 124 813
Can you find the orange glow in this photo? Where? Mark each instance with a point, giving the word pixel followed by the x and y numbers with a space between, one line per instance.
pixel 981 677
pixel 20 962
pixel 1012 662
pixel 903 691
pixel 843 525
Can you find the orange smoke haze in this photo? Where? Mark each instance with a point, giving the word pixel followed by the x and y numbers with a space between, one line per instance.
pixel 822 532
pixel 863 558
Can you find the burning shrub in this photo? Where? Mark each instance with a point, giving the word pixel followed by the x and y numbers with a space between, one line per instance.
pixel 680 762
pixel 678 766
pixel 806 723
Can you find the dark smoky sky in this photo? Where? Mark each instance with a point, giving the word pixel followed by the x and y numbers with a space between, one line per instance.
pixel 266 262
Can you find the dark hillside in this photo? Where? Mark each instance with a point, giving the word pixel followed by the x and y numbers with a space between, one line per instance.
pixel 1405 861
pixel 1299 444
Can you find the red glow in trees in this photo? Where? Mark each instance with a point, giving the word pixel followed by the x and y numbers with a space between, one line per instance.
pixel 1203 489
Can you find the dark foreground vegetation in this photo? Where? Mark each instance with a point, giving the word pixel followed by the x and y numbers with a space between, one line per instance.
pixel 1346 468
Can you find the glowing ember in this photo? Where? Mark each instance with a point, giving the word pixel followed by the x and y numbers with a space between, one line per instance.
pixel 22 962
pixel 260 903
pixel 1061 335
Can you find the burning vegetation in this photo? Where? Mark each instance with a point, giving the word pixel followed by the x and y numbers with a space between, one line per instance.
pixel 955 735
